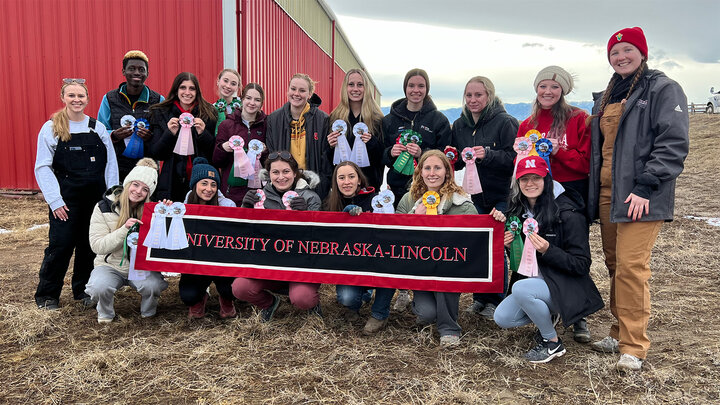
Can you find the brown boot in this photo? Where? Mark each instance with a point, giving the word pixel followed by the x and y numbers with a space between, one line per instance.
pixel 197 311
pixel 374 326
pixel 227 308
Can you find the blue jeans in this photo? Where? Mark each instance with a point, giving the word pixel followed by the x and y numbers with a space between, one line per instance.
pixel 352 296
pixel 493 298
pixel 530 302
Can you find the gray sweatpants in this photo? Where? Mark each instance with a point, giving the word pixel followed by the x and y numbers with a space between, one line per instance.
pixel 105 281
pixel 440 307
pixel 530 302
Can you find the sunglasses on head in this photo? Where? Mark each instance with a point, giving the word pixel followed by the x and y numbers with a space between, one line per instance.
pixel 280 154
pixel 71 81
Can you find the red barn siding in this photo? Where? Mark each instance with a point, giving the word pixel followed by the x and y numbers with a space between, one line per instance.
pixel 46 40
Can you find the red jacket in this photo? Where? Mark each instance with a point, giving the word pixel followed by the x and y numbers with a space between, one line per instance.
pixel 572 160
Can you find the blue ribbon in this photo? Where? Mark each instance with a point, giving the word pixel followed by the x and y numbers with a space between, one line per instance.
pixel 544 148
pixel 135 148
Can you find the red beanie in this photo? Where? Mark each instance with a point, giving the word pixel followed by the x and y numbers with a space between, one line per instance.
pixel 634 35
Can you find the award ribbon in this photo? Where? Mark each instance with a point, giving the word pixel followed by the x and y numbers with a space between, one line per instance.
pixel 342 149
pixel 157 234
pixel 383 202
pixel 522 146
pixel 359 153
pixel 255 149
pixel 452 154
pixel 528 263
pixel 471 181
pixel 431 200
pixel 184 144
pixel 132 241
pixel 404 163
pixel 127 121
pixel 135 149
pixel 533 136
pixel 177 238
pixel 287 198
pixel 516 247
pixel 242 167
pixel 261 203
pixel 221 107
pixel 544 147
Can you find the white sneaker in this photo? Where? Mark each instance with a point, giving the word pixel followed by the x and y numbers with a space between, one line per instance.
pixel 449 341
pixel 104 320
pixel 628 362
pixel 402 300
pixel 606 345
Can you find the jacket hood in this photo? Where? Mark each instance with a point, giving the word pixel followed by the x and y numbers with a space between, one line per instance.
pixel 570 200
pixel 311 179
pixel 315 100
pixel 428 106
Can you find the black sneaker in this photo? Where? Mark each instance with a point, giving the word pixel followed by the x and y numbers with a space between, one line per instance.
pixel 545 351
pixel 581 333
pixel 50 304
pixel 88 302
pixel 267 313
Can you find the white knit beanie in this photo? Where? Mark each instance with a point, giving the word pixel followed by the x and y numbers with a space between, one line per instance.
pixel 146 171
pixel 558 74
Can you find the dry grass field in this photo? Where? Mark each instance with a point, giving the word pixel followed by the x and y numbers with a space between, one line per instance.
pixel 65 356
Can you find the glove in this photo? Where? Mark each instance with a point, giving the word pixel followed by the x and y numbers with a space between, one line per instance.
pixel 353 210
pixel 250 199
pixel 298 204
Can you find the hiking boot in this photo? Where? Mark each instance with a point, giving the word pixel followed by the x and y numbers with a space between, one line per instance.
pixel 351 316
pixel 197 311
pixel 104 320
pixel 545 351
pixel 488 312
pixel 402 301
pixel 581 333
pixel 374 325
pixel 475 308
pixel 50 304
pixel 628 362
pixel 267 313
pixel 606 345
pixel 448 341
pixel 88 302
pixel 227 308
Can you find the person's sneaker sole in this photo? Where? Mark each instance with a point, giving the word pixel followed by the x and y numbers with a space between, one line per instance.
pixel 550 357
pixel 105 320
pixel 582 337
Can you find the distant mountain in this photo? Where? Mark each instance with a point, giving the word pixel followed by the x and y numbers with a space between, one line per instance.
pixel 518 110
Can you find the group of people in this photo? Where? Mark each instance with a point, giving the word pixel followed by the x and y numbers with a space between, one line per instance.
pixel 617 165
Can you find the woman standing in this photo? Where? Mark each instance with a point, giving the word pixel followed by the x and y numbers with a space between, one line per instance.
pixel 111 221
pixel 75 164
pixel 300 127
pixel 357 104
pixel 248 123
pixel 349 192
pixel 285 175
pixel 562 285
pixel 228 83
pixel 193 287
pixel 639 143
pixel 184 97
pixel 490 131
pixel 434 173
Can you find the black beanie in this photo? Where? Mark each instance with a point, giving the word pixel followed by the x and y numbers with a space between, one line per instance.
pixel 202 170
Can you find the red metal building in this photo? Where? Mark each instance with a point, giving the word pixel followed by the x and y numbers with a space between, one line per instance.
pixel 44 41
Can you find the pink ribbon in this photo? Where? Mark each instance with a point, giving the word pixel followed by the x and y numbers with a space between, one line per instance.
pixel 528 263
pixel 242 165
pixel 471 181
pixel 261 202
pixel 184 145
pixel 522 146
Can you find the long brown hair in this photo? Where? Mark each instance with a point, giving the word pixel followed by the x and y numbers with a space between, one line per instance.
pixel 206 112
pixel 333 202
pixel 370 112
pixel 418 187
pixel 60 119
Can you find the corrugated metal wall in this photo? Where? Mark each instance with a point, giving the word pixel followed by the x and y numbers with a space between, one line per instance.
pixel 44 41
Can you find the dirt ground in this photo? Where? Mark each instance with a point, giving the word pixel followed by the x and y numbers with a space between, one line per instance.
pixel 67 357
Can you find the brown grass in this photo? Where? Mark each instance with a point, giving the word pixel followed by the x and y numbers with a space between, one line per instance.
pixel 66 357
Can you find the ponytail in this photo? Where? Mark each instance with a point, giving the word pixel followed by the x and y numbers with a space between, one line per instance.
pixel 61 125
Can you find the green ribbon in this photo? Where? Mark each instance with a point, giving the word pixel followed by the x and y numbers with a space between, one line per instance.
pixel 134 228
pixel 514 226
pixel 404 163
pixel 221 107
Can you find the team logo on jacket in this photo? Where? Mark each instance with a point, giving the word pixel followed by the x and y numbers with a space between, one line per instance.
pixel 426 129
pixel 642 103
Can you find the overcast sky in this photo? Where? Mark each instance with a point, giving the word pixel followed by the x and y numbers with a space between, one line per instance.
pixel 510 41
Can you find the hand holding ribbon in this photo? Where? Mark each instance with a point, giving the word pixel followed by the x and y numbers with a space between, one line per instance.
pixel 260 204
pixel 184 145
pixel 287 199
pixel 404 163
pixel 242 167
pixel 431 200
pixel 135 148
pixel 528 263
pixel 516 247
pixel 471 181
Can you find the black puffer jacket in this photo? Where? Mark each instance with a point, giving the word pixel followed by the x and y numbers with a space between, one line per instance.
pixel 430 123
pixel 496 130
pixel 316 130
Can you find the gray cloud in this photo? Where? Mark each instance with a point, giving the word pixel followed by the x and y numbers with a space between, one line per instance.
pixel 532 45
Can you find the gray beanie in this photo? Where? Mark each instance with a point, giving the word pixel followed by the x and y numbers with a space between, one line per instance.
pixel 558 74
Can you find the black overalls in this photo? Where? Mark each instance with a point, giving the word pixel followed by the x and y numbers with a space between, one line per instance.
pixel 79 166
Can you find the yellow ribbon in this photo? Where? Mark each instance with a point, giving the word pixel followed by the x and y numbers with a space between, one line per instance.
pixel 431 200
pixel 533 135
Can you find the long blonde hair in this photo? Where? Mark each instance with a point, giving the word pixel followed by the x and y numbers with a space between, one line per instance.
pixel 60 119
pixel 418 187
pixel 370 112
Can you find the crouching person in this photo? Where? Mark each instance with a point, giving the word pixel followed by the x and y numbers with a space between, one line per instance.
pixel 110 223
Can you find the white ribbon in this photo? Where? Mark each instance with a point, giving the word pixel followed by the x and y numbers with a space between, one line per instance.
pixel 359 150
pixel 177 239
pixel 157 235
pixel 132 241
